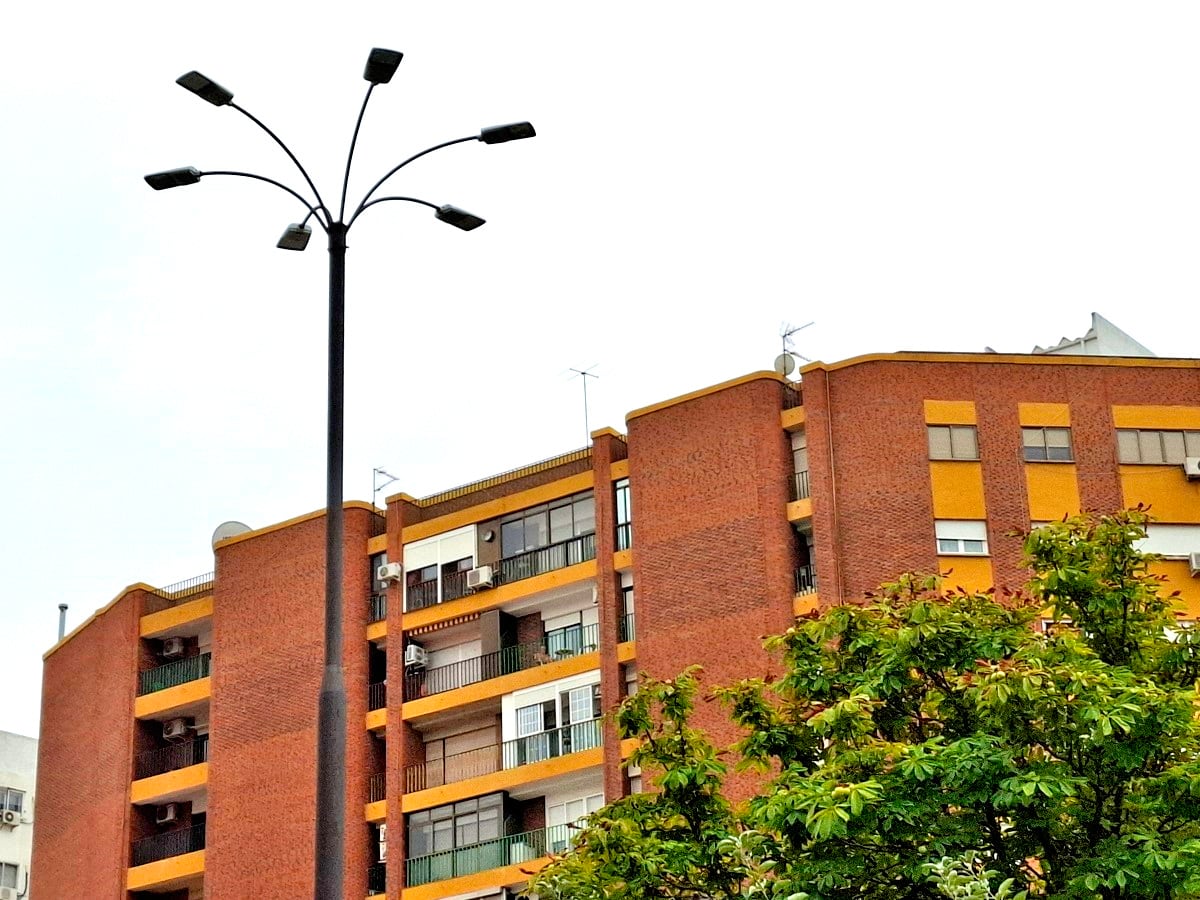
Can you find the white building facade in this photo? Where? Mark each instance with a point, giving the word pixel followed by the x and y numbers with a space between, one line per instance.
pixel 18 775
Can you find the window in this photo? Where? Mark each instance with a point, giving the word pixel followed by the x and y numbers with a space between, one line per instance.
pixel 961 537
pixel 11 798
pixel 550 523
pixel 455 825
pixel 1047 444
pixel 377 560
pixel 8 875
pixel 952 442
pixel 1156 447
pixel 624 514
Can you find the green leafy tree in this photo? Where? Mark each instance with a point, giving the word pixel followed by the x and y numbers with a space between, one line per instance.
pixel 932 744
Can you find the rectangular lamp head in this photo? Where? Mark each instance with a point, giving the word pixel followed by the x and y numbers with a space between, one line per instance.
pixel 160 181
pixel 295 238
pixel 459 218
pixel 499 134
pixel 205 88
pixel 381 65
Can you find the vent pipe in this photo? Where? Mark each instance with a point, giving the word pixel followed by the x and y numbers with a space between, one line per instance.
pixel 62 620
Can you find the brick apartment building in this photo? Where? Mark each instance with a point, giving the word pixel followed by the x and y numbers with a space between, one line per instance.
pixel 525 604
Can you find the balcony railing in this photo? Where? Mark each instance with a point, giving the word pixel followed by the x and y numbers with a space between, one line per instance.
pixel 377 787
pixel 547 559
pixel 181 671
pixel 170 843
pixel 377 695
pixel 792 396
pixel 625 536
pixel 454 585
pixel 562 643
pixel 377 607
pixel 420 595
pixel 627 631
pixel 180 592
pixel 509 755
pixel 376 879
pixel 504 851
pixel 798 486
pixel 171 757
pixel 806 580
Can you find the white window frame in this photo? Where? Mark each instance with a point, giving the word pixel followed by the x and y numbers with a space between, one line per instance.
pixel 954 448
pixel 961 537
pixel 1042 445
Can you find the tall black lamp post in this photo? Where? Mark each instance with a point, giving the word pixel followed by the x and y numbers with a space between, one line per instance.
pixel 330 819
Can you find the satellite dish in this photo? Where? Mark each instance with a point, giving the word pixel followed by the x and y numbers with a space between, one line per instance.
pixel 227 530
pixel 785 364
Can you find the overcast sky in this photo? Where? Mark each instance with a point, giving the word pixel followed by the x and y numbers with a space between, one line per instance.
pixel 938 176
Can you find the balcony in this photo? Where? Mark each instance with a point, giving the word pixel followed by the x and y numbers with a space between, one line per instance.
pixel 376 879
pixel 504 851
pixel 546 559
pixel 627 630
pixel 377 787
pixel 509 755
pixel 170 758
pixel 425 593
pixel 798 486
pixel 792 396
pixel 806 580
pixel 624 536
pixel 172 674
pixel 563 643
pixel 180 592
pixel 171 843
pixel 377 607
pixel 377 695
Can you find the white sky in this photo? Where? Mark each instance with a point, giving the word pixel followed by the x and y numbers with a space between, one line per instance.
pixel 911 175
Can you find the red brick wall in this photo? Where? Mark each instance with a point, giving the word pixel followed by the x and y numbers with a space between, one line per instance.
pixel 882 521
pixel 713 552
pixel 82 841
pixel 268 657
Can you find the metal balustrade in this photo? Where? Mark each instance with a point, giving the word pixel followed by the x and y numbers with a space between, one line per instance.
pixel 563 643
pixel 454 585
pixel 798 486
pixel 376 879
pixel 509 755
pixel 179 592
pixel 806 580
pixel 625 536
pixel 171 757
pixel 377 695
pixel 420 595
pixel 168 844
pixel 479 857
pixel 179 671
pixel 377 787
pixel 377 607
pixel 547 559
pixel 793 396
pixel 627 630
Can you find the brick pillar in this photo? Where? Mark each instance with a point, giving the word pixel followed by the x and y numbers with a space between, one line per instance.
pixel 403 743
pixel 607 446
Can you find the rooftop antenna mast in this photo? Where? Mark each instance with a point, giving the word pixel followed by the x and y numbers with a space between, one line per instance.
pixel 585 374
pixel 785 362
pixel 377 486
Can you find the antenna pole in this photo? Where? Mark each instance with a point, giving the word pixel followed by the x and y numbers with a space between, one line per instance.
pixel 585 374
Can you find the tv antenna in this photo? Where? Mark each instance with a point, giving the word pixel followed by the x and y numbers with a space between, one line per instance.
pixel 377 485
pixel 584 375
pixel 785 362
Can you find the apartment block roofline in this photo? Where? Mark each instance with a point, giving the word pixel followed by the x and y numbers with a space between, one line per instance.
pixel 288 523
pixel 136 586
pixel 704 392
pixel 1027 359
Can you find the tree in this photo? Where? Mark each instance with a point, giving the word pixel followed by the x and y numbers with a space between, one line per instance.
pixel 931 744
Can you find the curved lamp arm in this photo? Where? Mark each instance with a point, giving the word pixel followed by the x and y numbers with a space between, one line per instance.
pixel 292 157
pixel 350 156
pixel 375 187
pixel 312 210
pixel 364 206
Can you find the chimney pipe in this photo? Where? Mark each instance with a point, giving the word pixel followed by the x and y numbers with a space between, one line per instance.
pixel 62 620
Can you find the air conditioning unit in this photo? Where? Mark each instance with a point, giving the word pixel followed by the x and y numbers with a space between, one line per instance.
pixel 10 817
pixel 1194 563
pixel 1191 468
pixel 173 647
pixel 416 656
pixel 478 579
pixel 176 729
pixel 167 814
pixel 7 893
pixel 389 572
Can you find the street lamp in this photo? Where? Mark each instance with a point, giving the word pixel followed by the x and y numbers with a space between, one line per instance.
pixel 330 820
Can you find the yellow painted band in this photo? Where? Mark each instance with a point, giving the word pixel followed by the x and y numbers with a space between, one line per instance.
pixel 504 780
pixel 159 702
pixel 950 412
pixel 160 872
pixel 1052 414
pixel 1165 417
pixel 167 619
pixel 146 790
pixel 1023 359
pixel 704 392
